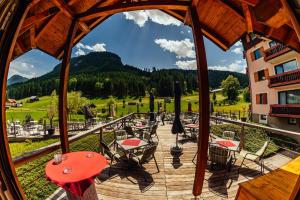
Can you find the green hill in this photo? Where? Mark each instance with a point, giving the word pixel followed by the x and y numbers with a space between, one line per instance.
pixel 16 79
pixel 100 74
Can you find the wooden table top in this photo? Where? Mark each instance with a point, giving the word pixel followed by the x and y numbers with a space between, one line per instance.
pixel 280 184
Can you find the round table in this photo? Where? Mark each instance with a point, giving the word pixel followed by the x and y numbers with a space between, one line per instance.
pixel 83 167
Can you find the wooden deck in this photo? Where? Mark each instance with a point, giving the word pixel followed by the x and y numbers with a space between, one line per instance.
pixel 176 176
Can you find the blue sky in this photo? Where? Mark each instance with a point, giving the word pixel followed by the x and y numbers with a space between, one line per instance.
pixel 143 39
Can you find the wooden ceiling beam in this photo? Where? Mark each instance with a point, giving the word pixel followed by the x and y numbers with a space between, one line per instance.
pixel 238 13
pixel 142 5
pixel 45 27
pixel 248 17
pixel 32 20
pixel 32 37
pixel 174 14
pixel 250 2
pixel 296 23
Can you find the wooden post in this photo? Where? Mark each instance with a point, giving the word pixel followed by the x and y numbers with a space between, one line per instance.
pixel 242 137
pixel 14 13
pixel 101 138
pixel 204 118
pixel 63 88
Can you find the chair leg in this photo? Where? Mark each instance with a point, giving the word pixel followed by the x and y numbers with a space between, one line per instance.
pixel 194 158
pixel 156 164
pixel 241 165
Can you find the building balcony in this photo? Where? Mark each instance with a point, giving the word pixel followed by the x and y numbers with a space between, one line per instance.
pixel 287 78
pixel 276 51
pixel 287 110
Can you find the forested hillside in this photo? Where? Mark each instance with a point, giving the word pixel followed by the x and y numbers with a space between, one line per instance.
pixel 100 74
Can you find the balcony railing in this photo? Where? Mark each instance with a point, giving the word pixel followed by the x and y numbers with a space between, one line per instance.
pixel 288 110
pixel 286 78
pixel 275 51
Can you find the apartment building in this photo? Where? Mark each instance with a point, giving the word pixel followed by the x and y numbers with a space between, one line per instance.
pixel 274 74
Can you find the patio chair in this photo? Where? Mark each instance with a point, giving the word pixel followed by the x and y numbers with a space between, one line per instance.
pixel 145 156
pixel 228 135
pixel 110 154
pixel 254 157
pixel 153 131
pixel 120 134
pixel 129 131
pixel 219 155
pixel 147 137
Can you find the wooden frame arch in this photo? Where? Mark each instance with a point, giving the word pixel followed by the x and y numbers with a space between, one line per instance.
pixel 8 39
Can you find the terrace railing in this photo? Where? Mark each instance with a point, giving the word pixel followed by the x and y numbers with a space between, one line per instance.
pixel 287 78
pixel 30 166
pixel 275 51
pixel 285 110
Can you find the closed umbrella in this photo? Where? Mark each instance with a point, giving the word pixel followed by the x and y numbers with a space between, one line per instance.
pixel 177 126
pixel 152 118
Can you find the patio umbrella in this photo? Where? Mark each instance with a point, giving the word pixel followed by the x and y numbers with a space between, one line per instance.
pixel 151 107
pixel 177 126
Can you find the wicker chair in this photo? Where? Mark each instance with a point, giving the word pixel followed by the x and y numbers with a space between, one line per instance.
pixel 129 131
pixel 145 156
pixel 153 131
pixel 120 135
pixel 228 135
pixel 255 157
pixel 219 155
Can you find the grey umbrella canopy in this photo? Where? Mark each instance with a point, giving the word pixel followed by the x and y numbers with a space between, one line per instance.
pixel 152 118
pixel 177 126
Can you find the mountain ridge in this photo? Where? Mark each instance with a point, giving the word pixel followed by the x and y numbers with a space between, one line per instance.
pixel 16 79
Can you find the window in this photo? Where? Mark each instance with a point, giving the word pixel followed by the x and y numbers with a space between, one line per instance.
pixel 285 67
pixel 272 44
pixel 262 98
pixel 289 97
pixel 292 121
pixel 261 75
pixel 257 54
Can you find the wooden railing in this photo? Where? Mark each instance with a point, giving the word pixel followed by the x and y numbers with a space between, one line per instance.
pixel 287 110
pixel 275 51
pixel 287 78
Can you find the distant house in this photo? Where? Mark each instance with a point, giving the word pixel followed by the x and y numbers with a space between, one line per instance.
pixel 33 99
pixel 11 103
pixel 216 90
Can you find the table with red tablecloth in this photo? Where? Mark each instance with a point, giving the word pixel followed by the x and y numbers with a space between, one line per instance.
pixel 231 145
pixel 76 173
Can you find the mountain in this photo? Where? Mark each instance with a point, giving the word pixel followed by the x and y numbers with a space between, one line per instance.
pixel 100 74
pixel 16 79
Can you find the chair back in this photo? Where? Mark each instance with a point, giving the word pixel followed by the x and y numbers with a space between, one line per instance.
pixel 146 136
pixel 120 135
pixel 106 149
pixel 129 130
pixel 148 154
pixel 228 135
pixel 153 129
pixel 262 150
pixel 218 154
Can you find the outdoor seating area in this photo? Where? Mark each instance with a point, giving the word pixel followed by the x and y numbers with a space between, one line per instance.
pixel 142 167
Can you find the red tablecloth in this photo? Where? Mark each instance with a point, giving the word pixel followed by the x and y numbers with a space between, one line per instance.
pixel 131 142
pixel 192 126
pixel 83 171
pixel 226 143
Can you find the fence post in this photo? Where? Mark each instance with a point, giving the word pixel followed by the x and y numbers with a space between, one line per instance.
pixel 101 148
pixel 242 137
pixel 230 114
pixel 239 115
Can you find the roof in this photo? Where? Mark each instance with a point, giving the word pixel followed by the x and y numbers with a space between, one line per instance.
pixel 223 21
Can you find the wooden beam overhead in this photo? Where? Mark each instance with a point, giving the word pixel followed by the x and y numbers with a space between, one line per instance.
pixel 122 7
pixel 64 8
pixel 32 37
pixel 292 17
pixel 30 21
pixel 233 8
pixel 174 14
pixel 45 27
pixel 248 17
pixel 250 2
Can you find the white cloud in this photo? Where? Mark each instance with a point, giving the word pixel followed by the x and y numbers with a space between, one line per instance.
pixel 238 44
pixel 81 48
pixel 21 68
pixel 182 48
pixel 238 51
pixel 187 64
pixel 236 66
pixel 156 16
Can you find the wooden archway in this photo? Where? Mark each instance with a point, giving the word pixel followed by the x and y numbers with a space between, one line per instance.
pixel 13 20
